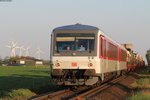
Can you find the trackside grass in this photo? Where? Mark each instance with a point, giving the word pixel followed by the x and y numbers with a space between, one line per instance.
pixel 20 94
pixel 139 96
pixel 141 87
pixel 23 77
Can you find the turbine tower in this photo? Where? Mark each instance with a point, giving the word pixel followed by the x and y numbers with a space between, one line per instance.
pixel 39 52
pixel 27 51
pixel 13 46
pixel 21 48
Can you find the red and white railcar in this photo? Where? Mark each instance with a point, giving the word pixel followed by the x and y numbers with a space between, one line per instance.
pixel 84 55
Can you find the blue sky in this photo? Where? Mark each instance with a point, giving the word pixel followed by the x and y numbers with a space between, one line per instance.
pixel 30 22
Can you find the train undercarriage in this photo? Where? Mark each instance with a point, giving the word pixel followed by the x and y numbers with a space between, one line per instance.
pixel 78 77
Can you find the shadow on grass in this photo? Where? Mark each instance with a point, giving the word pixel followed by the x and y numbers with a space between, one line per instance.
pixel 36 83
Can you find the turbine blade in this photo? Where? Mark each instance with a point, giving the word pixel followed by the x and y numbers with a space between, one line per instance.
pixel 7 46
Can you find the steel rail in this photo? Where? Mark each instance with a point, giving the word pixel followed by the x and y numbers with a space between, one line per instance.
pixel 96 90
pixel 58 95
pixel 49 95
pixel 88 92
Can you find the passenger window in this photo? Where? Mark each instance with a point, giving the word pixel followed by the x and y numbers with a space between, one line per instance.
pixel 112 50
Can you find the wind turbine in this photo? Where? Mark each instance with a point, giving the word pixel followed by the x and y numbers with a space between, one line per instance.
pixel 39 52
pixel 13 46
pixel 21 48
pixel 27 51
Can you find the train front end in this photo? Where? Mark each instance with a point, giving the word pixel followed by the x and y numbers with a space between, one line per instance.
pixel 73 55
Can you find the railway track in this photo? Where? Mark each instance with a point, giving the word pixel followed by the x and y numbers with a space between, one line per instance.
pixel 92 92
pixel 81 93
pixel 62 94
pixel 49 95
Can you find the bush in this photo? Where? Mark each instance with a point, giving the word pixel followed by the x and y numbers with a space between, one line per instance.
pixel 20 94
pixel 143 81
pixel 145 71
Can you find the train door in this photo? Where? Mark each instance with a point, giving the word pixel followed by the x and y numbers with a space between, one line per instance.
pixel 103 55
pixel 107 69
pixel 118 62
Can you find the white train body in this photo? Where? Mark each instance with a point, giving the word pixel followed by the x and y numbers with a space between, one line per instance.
pixel 84 55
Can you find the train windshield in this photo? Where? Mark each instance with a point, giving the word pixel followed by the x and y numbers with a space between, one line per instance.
pixel 75 43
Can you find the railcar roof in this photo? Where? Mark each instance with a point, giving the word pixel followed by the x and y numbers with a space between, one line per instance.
pixel 77 27
pixel 83 27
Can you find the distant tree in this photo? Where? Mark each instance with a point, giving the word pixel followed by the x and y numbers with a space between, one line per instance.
pixel 0 60
pixel 148 57
pixel 46 62
pixel 6 59
pixel 10 60
pixel 13 59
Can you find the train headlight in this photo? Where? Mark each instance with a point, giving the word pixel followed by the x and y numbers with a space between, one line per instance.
pixel 57 64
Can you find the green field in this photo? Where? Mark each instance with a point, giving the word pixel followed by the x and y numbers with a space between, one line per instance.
pixel 17 77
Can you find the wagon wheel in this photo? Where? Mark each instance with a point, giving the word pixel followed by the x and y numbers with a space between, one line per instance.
pixel 122 73
pixel 99 82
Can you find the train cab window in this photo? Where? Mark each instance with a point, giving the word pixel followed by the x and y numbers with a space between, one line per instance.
pixel 74 42
pixel 65 43
pixel 85 43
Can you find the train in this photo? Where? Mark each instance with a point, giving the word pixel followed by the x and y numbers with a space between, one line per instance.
pixel 85 55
